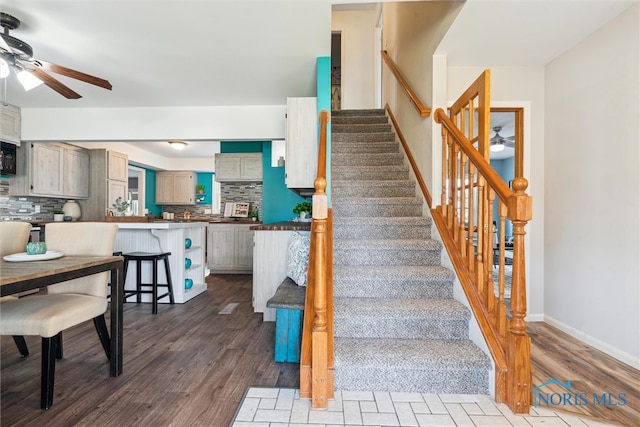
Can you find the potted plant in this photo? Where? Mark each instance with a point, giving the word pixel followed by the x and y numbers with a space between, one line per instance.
pixel 121 206
pixel 303 209
pixel 254 215
pixel 200 188
pixel 58 215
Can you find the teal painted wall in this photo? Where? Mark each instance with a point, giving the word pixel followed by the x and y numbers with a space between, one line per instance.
pixel 240 146
pixel 205 178
pixel 506 169
pixel 323 82
pixel 150 192
pixel 277 200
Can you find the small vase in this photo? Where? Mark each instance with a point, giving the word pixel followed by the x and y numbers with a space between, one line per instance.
pixel 72 209
pixel 58 217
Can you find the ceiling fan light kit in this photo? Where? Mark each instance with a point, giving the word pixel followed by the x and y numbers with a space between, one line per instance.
pixel 17 55
pixel 498 143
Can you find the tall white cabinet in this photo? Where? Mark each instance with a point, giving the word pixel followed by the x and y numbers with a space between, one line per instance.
pixel 301 146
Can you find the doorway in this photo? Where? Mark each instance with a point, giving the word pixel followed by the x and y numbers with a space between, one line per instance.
pixel 336 70
pixel 136 191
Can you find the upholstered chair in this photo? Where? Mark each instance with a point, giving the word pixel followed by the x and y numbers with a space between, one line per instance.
pixel 14 236
pixel 66 304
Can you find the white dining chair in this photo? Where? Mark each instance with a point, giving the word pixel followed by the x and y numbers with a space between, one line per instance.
pixel 14 236
pixel 66 304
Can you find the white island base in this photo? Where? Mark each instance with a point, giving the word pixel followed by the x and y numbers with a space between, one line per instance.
pixel 171 237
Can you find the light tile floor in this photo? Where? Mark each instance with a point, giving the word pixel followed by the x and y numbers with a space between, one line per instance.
pixel 282 407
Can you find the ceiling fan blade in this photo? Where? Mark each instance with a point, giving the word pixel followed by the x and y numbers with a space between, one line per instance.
pixel 55 84
pixel 74 74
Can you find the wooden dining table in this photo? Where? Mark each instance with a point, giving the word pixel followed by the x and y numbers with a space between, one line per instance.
pixel 17 277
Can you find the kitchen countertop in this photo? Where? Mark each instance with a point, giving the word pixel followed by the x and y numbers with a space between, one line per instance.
pixel 284 226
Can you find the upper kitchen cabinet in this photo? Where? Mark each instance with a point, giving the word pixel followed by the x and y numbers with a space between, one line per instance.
pixel 176 188
pixel 301 147
pixel 238 167
pixel 51 170
pixel 10 122
pixel 108 180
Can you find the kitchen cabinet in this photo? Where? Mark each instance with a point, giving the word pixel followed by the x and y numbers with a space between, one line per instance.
pixel 301 144
pixel 176 188
pixel 230 248
pixel 108 180
pixel 10 123
pixel 48 169
pixel 238 167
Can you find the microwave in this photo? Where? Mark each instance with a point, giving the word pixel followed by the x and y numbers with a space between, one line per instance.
pixel 7 159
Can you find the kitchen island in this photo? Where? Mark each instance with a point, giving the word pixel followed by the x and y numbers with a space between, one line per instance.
pixel 174 237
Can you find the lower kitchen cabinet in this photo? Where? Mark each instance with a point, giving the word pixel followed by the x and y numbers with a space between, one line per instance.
pixel 230 248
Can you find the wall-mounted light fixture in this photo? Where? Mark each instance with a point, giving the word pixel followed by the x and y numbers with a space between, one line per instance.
pixel 177 145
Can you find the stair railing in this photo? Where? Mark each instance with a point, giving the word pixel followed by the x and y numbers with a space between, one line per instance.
pixel 472 191
pixel 316 355
pixel 465 222
pixel 413 97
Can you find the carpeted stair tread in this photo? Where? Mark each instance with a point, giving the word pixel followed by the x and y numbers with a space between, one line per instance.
pixel 376 201
pixel 382 221
pixel 367 119
pixel 409 353
pixel 368 159
pixel 393 273
pixel 365 112
pixel 388 244
pixel 365 137
pixel 391 308
pixel 356 147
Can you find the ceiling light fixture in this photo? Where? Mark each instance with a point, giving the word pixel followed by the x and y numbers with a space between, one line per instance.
pixel 4 69
pixel 177 145
pixel 497 142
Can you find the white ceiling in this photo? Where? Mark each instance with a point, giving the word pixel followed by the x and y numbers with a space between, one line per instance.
pixel 206 52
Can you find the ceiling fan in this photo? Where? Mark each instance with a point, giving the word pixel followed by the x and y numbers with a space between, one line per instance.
pixel 497 143
pixel 17 55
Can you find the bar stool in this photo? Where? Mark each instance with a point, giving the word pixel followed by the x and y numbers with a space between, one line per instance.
pixel 139 257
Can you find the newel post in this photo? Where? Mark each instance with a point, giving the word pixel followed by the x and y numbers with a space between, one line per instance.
pixel 518 349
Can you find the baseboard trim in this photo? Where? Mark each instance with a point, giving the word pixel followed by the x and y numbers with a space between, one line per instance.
pixel 537 317
pixel 616 353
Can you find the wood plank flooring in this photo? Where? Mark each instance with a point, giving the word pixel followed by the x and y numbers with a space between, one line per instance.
pixel 190 366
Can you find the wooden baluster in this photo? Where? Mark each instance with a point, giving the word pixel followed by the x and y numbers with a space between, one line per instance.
pixel 471 250
pixel 480 235
pixel 518 350
pixel 456 193
pixel 451 184
pixel 502 308
pixel 443 194
pixel 464 179
pixel 491 230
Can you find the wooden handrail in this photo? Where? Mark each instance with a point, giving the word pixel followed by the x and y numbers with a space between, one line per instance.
pixel 412 161
pixel 413 97
pixel 316 362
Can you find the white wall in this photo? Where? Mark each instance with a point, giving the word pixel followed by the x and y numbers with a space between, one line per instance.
pixel 260 122
pixel 520 87
pixel 592 191
pixel 358 57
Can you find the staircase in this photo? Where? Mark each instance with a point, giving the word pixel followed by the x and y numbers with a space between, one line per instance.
pixel 397 325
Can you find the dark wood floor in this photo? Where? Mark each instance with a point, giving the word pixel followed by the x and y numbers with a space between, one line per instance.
pixel 190 366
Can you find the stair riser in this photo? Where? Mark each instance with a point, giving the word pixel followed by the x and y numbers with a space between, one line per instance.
pixel 459 381
pixel 385 257
pixel 358 120
pixel 361 159
pixel 377 232
pixel 374 174
pixel 351 113
pixel 363 137
pixel 357 190
pixel 366 128
pixel 357 148
pixel 387 289
pixel 357 327
pixel 370 210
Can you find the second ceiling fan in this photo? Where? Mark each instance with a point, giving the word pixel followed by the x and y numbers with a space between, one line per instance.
pixel 498 142
pixel 17 55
